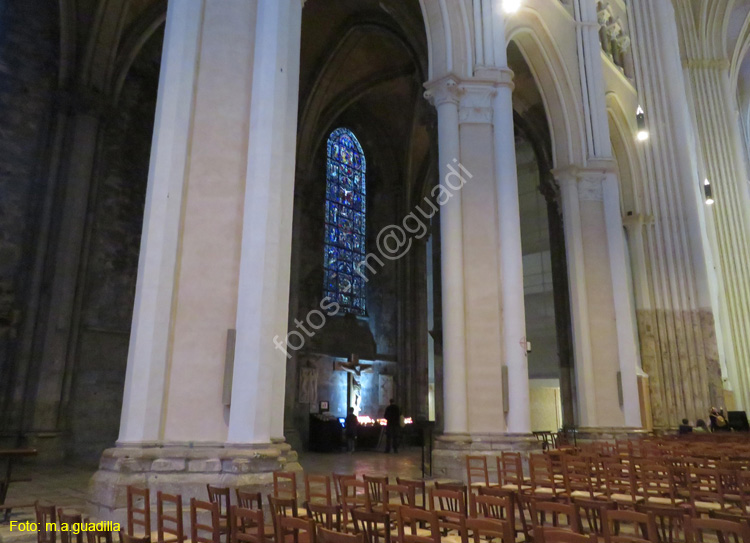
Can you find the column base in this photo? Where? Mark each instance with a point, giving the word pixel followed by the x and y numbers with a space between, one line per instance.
pixel 183 468
pixel 451 450
pixel 586 434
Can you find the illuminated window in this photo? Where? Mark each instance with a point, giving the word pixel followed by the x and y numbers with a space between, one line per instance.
pixel 345 221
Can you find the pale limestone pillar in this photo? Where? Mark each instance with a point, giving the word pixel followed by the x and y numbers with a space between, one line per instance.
pixel 609 345
pixel 685 374
pixel 257 410
pixel 141 418
pixel 445 96
pixel 511 257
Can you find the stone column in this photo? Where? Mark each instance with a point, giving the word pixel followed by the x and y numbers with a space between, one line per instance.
pixel 257 411
pixel 685 375
pixel 141 418
pixel 714 108
pixel 445 96
pixel 218 210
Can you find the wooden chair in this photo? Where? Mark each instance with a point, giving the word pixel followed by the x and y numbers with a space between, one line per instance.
pixel 285 484
pixel 542 510
pixel 169 519
pixel 706 493
pixel 419 488
pixel 640 527
pixel 451 501
pixel 476 471
pixel 488 529
pixel 281 508
pixel 726 531
pixel 204 533
pixel 668 521
pixel 396 496
pixel 376 488
pixel 127 538
pixel 247 499
pixel 329 536
pixel 556 535
pixel 71 519
pixel 542 478
pixel 338 479
pixel 578 478
pixel 221 496
pixel 591 514
pixel 620 484
pixel 295 530
pixel 510 472
pixel 493 507
pixel 373 525
pixel 327 516
pixel 318 489
pixel 248 525
pixel 451 487
pixel 45 514
pixel 734 516
pixel 657 485
pixel 409 519
pixel 139 510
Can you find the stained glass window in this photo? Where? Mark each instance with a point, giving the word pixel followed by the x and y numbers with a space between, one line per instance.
pixel 345 222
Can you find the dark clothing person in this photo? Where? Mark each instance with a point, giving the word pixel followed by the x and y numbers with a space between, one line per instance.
pixel 685 427
pixel 392 430
pixel 350 430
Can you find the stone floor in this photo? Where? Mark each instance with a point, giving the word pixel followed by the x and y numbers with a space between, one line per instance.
pixel 66 486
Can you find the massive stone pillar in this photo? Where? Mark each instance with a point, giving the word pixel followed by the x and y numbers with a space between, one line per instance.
pixel 714 109
pixel 216 234
pixel 606 353
pixel 684 372
pixel 483 305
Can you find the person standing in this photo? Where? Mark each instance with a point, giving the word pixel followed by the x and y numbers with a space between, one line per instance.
pixel 350 430
pixel 393 417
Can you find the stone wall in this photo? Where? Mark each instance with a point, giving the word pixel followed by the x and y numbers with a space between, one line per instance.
pixel 28 83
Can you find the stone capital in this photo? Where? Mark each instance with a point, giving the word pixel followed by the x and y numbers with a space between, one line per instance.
pixel 476 102
pixel 635 221
pixel 589 180
pixel 442 91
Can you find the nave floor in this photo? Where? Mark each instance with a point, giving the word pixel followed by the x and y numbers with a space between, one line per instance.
pixel 66 486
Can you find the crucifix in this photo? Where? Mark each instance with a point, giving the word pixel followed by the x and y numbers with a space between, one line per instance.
pixel 354 368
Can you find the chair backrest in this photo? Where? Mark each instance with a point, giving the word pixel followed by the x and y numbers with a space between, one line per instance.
pixel 249 500
pixel 330 536
pixel 619 478
pixel 591 514
pixel 328 516
pixel 543 512
pixel 373 525
pixel 285 484
pixel 540 471
pixel 318 489
pixel 45 514
pixel 726 531
pixel 139 510
pixel 501 506
pixel 200 532
pixel 419 487
pixel 71 519
pixel 409 518
pixel 295 529
pixel 490 529
pixel 476 470
pixel 376 487
pixel 510 469
pixel 641 528
pixel 577 473
pixel 453 501
pixel 556 535
pixel 705 485
pixel 657 480
pixel 338 479
pixel 248 525
pixel 127 538
pixel 668 521
pixel 399 494
pixel 169 520
pixel 220 496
